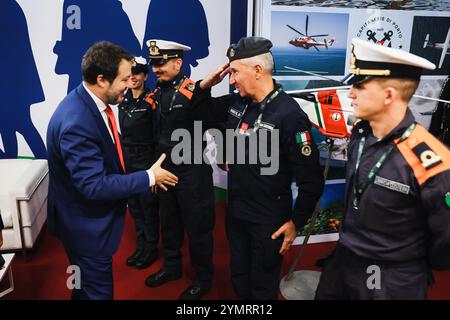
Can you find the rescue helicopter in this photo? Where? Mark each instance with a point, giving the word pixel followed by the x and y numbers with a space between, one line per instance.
pixel 330 109
pixel 308 41
pixel 444 46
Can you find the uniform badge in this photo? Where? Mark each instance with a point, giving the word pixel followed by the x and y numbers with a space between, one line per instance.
pixel 268 126
pixel 244 128
pixel 154 50
pixel 235 113
pixel 392 185
pixel 190 86
pixel 447 199
pixel 232 52
pixel 427 157
pixel 306 150
pixel 303 137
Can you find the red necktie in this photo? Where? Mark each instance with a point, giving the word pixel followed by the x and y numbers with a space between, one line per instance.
pixel 113 127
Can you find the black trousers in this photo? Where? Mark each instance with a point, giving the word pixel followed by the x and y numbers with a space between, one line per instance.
pixel 143 207
pixel 255 259
pixel 144 210
pixel 348 276
pixel 189 206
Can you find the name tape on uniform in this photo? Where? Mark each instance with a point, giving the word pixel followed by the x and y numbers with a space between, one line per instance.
pixel 392 185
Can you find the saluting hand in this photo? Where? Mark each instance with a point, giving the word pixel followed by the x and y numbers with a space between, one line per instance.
pixel 215 77
pixel 290 233
pixel 162 176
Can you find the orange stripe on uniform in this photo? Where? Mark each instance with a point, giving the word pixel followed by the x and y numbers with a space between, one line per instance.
pixel 150 100
pixel 187 88
pixel 419 135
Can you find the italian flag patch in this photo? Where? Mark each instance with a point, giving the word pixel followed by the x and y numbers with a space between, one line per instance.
pixel 303 137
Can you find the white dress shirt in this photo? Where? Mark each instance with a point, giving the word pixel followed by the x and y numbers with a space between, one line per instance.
pixel 102 107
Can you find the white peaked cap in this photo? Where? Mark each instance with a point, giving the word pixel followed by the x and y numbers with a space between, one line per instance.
pixel 368 51
pixel 140 60
pixel 168 45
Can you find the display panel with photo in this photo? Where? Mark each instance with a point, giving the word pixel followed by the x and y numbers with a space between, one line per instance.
pixel 309 41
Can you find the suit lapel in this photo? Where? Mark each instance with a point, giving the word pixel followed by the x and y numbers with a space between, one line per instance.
pixel 101 125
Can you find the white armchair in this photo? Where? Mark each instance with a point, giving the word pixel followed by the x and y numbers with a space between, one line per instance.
pixel 23 201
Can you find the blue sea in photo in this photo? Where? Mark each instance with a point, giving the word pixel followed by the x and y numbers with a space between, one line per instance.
pixel 331 61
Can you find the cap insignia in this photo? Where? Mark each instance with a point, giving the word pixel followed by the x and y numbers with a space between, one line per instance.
pixel 154 50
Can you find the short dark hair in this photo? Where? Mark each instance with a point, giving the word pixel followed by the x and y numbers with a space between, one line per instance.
pixel 138 68
pixel 103 58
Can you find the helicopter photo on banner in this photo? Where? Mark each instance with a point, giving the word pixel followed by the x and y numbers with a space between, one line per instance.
pixel 314 42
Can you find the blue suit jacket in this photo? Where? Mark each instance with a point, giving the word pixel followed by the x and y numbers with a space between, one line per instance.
pixel 88 189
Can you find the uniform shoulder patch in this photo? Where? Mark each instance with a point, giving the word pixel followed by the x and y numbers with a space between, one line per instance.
pixel 303 139
pixel 187 88
pixel 149 99
pixel 426 155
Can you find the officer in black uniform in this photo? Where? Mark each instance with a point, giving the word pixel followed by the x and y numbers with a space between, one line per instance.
pixel 190 205
pixel 262 222
pixel 135 118
pixel 397 222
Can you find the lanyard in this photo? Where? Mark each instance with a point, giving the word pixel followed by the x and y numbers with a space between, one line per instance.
pixel 136 103
pixel 262 107
pixel 172 101
pixel 359 189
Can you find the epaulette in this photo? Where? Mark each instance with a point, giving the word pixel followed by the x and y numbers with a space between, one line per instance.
pixel 150 100
pixel 187 88
pixel 425 154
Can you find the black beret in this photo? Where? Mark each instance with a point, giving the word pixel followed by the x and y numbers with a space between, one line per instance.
pixel 248 47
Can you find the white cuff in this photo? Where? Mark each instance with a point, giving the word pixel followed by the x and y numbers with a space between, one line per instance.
pixel 151 177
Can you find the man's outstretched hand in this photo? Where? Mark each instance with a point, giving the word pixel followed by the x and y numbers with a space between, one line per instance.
pixel 163 177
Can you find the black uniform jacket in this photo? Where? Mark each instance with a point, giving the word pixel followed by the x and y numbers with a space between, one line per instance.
pixel 137 132
pixel 173 111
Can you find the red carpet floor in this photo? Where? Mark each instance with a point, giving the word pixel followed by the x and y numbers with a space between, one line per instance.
pixel 44 275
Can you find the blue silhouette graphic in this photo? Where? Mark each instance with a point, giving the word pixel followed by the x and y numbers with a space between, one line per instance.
pixel 20 86
pixel 182 21
pixel 86 22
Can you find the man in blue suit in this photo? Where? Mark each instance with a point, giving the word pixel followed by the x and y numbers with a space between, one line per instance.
pixel 88 186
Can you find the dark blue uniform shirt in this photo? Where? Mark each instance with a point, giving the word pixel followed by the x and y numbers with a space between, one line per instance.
pixel 403 215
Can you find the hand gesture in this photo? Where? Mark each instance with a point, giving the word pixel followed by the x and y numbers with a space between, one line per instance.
pixel 162 176
pixel 215 77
